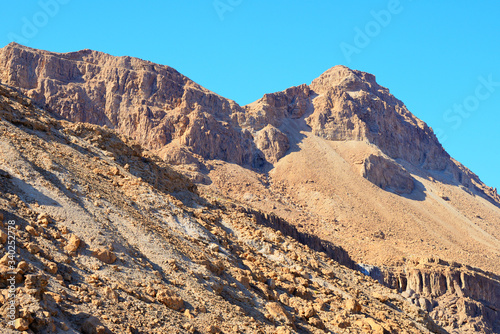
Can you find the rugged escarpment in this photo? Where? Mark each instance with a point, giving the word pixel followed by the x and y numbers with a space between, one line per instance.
pixel 353 106
pixel 344 104
pixel 109 239
pixel 154 104
pixel 166 111
pixel 338 162
pixel 455 296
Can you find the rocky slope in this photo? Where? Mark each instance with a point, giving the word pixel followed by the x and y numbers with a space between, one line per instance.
pixel 109 239
pixel 341 161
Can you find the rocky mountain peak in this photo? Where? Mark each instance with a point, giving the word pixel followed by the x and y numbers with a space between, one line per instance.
pixel 343 77
pixel 352 106
pixel 167 112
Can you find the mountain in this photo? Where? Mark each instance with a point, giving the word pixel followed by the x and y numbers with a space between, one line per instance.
pixel 338 162
pixel 152 103
pixel 111 239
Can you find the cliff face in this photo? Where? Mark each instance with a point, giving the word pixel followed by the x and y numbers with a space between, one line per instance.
pixel 352 105
pixel 344 104
pixel 166 111
pixel 323 142
pixel 455 296
pixel 154 104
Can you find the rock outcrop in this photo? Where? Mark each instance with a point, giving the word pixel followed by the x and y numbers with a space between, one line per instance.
pixel 273 108
pixel 455 296
pixel 272 142
pixel 387 174
pixel 351 105
pixel 154 104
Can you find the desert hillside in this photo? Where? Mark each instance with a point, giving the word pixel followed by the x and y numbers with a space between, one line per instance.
pixel 111 239
pixel 137 190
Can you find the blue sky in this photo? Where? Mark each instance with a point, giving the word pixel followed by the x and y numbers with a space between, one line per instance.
pixel 442 59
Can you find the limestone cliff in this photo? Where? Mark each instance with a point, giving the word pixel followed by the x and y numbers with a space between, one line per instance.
pixel 344 118
pixel 154 104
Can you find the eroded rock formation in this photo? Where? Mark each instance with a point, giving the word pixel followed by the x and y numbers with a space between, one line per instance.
pixel 188 125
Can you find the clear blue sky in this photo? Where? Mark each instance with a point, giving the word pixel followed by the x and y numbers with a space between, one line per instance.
pixel 436 56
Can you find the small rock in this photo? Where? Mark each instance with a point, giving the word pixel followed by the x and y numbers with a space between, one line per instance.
pixel 278 313
pixel 352 306
pixel 93 326
pixel 212 329
pixel 425 304
pixel 407 293
pixel 201 309
pixel 110 294
pixel 31 230
pixel 282 330
pixel 316 323
pixel 307 311
pixel 213 247
pixel 3 237
pixel 23 265
pixel 188 314
pixel 189 327
pixel 328 273
pixel 73 243
pixel 443 196
pixel 52 268
pixel 44 222
pixel 150 291
pixel 5 260
pixel 243 279
pixel 375 327
pixel 341 322
pixel 380 297
pixel 170 299
pixel 105 255
pixel 32 248
pixel 21 324
pixel 57 298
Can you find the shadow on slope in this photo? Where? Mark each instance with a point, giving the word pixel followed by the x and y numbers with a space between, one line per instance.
pixel 312 241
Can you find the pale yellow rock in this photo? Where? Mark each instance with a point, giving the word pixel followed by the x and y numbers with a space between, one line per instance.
pixel 170 299
pixel 381 297
pixel 105 255
pixel 21 324
pixel 110 294
pixel 32 248
pixel 73 243
pixel 52 267
pixel 352 306
pixel 31 230
pixel 23 265
pixel 278 313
